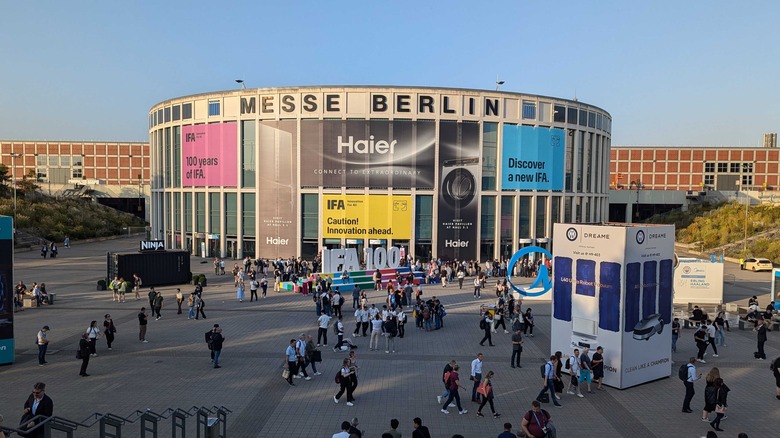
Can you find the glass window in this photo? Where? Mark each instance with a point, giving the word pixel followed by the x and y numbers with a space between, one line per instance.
pixel 77 172
pixel 214 209
pixel 545 110
pixel 248 153
pixel 248 214
pixel 200 212
pixel 65 161
pixel 580 159
pixel 159 116
pixel 541 216
pixel 723 167
pixel 309 215
pixel 176 154
pixel 709 180
pixel 41 173
pixel 54 161
pixel 567 210
pixel 176 112
pixel 555 209
pixel 231 209
pixel 591 120
pixel 489 155
pixel 524 218
pixel 583 118
pixel 569 162
pixel 213 107
pixel 423 221
pixel 188 212
pixel 599 122
pixel 487 228
pixel 78 160
pixel 167 114
pixel 571 117
pixel 709 167
pixel 734 167
pixel 507 214
pixel 177 211
pixel 559 113
pixel 529 110
pixel 747 180
pixel 747 167
pixel 588 161
pixel 186 111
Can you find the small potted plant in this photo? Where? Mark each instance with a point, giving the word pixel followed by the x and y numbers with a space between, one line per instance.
pixel 202 280
pixel 101 284
pixel 195 278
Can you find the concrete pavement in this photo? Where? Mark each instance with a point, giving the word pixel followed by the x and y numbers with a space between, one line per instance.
pixel 174 370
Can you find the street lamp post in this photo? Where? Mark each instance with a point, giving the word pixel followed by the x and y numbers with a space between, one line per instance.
pixel 14 156
pixel 744 242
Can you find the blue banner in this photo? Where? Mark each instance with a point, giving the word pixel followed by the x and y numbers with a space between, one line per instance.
pixel 6 290
pixel 532 158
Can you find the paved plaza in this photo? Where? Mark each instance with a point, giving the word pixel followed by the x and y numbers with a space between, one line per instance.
pixel 173 370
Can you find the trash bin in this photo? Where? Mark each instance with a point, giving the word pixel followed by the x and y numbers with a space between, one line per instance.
pixel 212 427
pixel 52 296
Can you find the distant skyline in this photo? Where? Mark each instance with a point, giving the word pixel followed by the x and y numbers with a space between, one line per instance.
pixel 697 73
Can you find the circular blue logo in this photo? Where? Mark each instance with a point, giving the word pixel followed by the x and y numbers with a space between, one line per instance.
pixel 571 234
pixel 640 237
pixel 542 280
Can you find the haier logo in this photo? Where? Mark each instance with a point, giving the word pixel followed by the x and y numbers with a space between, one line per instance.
pixel 640 237
pixel 571 234
pixel 365 146
pixel 276 241
pixel 152 245
pixel 456 244
pixel 336 204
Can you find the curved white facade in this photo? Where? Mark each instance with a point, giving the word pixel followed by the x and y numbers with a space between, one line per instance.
pixel 450 173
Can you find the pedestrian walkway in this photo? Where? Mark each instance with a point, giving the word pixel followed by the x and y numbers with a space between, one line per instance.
pixel 174 368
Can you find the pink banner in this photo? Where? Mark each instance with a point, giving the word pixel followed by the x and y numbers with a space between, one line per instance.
pixel 209 155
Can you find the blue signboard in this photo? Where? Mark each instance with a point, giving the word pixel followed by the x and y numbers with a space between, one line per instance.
pixel 532 158
pixel 6 291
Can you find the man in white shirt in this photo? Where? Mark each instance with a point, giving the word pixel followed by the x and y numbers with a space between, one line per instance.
pixel 300 352
pixel 574 369
pixel 358 321
pixel 322 332
pixel 345 426
pixel 476 376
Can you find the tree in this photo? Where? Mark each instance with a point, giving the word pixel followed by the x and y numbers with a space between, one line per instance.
pixel 4 179
pixel 27 184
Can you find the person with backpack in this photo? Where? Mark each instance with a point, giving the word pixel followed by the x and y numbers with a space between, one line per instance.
pixel 536 422
pixel 573 365
pixel 208 336
pixel 338 330
pixel 485 324
pixel 548 374
pixel 391 328
pixel 338 301
pixel 216 345
pixel 343 378
pixel 454 385
pixel 687 373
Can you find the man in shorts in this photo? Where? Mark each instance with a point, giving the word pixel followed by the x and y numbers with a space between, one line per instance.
pixel 585 368
pixel 597 365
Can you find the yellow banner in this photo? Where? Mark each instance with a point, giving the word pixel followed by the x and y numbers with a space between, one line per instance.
pixel 367 216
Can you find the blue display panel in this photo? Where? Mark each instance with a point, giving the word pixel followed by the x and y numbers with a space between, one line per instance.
pixel 532 158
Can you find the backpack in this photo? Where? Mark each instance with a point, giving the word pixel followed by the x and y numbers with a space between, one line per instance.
pixel 482 324
pixel 338 377
pixel 209 340
pixel 341 300
pixel 443 312
pixel 682 373
pixel 336 327
pixel 568 364
pixel 543 370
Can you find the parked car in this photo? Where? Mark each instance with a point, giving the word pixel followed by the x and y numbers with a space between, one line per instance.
pixel 756 264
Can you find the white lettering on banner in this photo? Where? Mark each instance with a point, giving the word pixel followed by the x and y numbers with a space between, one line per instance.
pixel 456 244
pixel 337 260
pixel 365 146
pixel 2 348
pixel 276 241
pixel 152 245
pixel 646 365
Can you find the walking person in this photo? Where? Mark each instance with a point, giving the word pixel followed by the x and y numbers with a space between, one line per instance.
pixel 536 421
pixel 313 355
pixel 142 322
pixel 700 337
pixel 391 329
pixel 43 345
pixel 92 334
pixel 158 303
pixel 690 379
pixel 720 329
pixel 353 365
pixel 709 393
pixel 253 286
pixel 585 370
pixel 109 329
pixel 721 396
pixel 191 306
pixel 761 339
pixel 376 332
pixel 123 291
pixel 711 333
pixel 264 284
pixel 151 295
pixel 302 362
pixel 137 286
pixel 486 325
pixel 476 376
pixel 216 345
pixel 445 378
pixel 675 333
pixel 597 366
pixel 84 353
pixel 200 304
pixel 240 291
pixel 346 383
pixel 38 404
pixel 477 287
pixel 292 359
pixel 453 386
pixel 573 364
pixel 517 348
pixel 322 331
pixel 179 300
pixel 486 390
pixel 528 322
pixel 549 381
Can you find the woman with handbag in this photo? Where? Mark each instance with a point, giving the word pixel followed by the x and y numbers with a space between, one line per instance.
pixel 92 333
pixel 486 389
pixel 721 394
pixel 109 329
pixel 710 398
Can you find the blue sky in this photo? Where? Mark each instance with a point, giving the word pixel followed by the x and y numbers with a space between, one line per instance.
pixel 669 72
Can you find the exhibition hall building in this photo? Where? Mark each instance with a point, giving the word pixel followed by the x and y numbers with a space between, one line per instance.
pixel 438 172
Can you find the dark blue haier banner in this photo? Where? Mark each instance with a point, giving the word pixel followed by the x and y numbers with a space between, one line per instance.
pixel 6 290
pixel 459 178
pixel 532 158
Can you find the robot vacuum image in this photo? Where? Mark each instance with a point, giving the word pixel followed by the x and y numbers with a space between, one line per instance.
pixel 649 326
